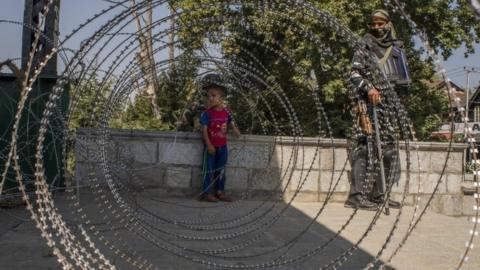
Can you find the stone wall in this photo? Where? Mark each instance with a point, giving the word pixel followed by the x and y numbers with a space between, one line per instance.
pixel 262 167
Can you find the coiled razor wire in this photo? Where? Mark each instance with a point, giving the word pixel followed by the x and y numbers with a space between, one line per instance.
pixel 111 51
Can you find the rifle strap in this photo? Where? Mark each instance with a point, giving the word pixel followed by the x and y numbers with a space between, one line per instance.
pixel 382 61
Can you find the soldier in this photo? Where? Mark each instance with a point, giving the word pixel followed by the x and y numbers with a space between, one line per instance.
pixel 190 120
pixel 381 43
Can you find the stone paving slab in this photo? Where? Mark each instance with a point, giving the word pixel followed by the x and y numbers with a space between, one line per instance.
pixel 437 243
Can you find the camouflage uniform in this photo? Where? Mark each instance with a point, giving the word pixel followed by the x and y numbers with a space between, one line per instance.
pixel 191 117
pixel 363 157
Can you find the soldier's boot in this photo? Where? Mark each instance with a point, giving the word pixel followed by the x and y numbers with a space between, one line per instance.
pixel 358 202
pixel 391 203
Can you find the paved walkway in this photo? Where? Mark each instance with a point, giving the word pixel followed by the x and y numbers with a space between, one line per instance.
pixel 438 242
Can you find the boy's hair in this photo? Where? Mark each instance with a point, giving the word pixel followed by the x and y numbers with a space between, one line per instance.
pixel 211 81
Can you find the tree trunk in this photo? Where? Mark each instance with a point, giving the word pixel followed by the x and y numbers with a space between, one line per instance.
pixel 171 36
pixel 145 58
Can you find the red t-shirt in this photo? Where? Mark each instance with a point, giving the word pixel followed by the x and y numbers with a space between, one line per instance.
pixel 217 122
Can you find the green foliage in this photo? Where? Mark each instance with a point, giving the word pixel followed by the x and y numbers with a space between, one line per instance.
pixel 88 100
pixel 175 91
pixel 448 24
pixel 138 115
pixel 90 97
pixel 177 88
pixel 426 116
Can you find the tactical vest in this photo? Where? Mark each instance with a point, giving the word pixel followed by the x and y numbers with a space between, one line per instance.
pixel 395 67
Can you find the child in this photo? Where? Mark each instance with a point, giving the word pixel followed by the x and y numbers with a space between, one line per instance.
pixel 214 121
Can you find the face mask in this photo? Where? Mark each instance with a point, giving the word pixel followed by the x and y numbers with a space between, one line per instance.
pixel 379 32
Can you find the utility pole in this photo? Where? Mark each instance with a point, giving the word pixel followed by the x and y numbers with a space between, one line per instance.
pixel 171 35
pixel 468 71
pixel 467 89
pixel 33 16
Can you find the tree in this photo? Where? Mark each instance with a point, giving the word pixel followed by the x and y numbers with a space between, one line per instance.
pixel 448 25
pixel 138 115
pixel 89 98
pixel 171 34
pixel 145 57
pixel 176 89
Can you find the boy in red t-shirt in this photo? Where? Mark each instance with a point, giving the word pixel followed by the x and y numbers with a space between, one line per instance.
pixel 215 121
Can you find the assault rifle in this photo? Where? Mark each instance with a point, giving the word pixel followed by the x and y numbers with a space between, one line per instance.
pixel 378 142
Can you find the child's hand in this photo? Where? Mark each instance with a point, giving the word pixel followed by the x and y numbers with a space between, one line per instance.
pixel 211 149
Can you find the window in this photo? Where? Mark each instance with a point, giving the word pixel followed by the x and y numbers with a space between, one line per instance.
pixel 476 114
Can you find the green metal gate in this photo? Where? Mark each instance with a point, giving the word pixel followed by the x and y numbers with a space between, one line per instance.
pixel 28 131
